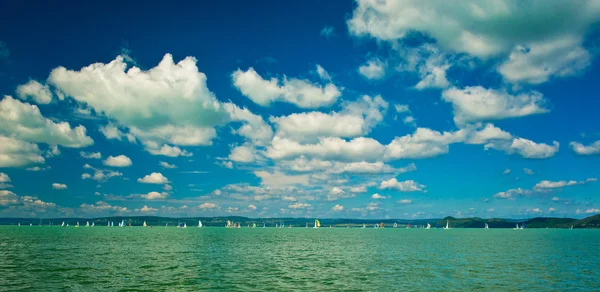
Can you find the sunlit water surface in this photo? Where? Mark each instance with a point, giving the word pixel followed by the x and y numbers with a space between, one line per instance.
pixel 254 259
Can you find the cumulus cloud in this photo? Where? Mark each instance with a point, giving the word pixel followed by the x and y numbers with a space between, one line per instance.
pixel 244 154
pixel 473 104
pixel 118 161
pixel 251 207
pixel 337 208
pixel 299 206
pixel 478 29
pixel 34 90
pixel 207 205
pixel 405 201
pixel 423 143
pixel 58 186
pixel 17 153
pixel 588 211
pixel 155 196
pixel 404 186
pixel 511 194
pixel 4 181
pixel 167 105
pixel 302 93
pixel 377 196
pixel 153 178
pixel 90 155
pixel 373 69
pixel 356 119
pixel 147 209
pixel 581 149
pixel 547 184
pixel 25 122
pixel 526 148
pixel 327 32
pixel 528 171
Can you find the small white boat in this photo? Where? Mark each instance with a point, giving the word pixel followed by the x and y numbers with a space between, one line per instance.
pixel 108 224
pixel 122 223
pixel 516 228
pixel 376 226
pixel 30 224
pixel 317 223
pixel 184 225
pixel 570 228
pixel 199 224
pixel 112 224
pixel 428 226
pixel 87 223
pixel 486 226
pixel 447 224
pixel 63 224
pixel 395 225
pixel 364 225
pixel 19 224
pixel 77 226
pixel 92 224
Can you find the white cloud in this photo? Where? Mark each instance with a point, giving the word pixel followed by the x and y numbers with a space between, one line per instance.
pixel 528 171
pixel 8 198
pixel 366 167
pixel 111 131
pixel 423 143
pixel 323 73
pixel 506 171
pixel 511 194
pixel 279 179
pixel 357 149
pixel 551 209
pixel 167 104
pixel 526 148
pixel 404 186
pixel 170 151
pixel 253 126
pixel 147 209
pixel 58 186
pixel 402 108
pixel 405 201
pixel 244 154
pixel 25 122
pixel 337 193
pixel 360 189
pixel 208 206
pixel 91 155
pixel 37 92
pixel 547 184
pixel 377 196
pixel 337 208
pixel 154 178
pixel 251 207
pixel 581 149
pixel 537 62
pixel 155 196
pixel 37 168
pixel 373 69
pixel 4 178
pixel 356 119
pixel 299 206
pixel 478 29
pixel 52 151
pixel 588 211
pixel 118 161
pixel 167 188
pixel 476 103
pixel 166 165
pixel 100 175
pixel 302 93
pixel 17 153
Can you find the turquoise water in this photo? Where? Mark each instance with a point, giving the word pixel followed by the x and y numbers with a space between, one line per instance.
pixel 136 258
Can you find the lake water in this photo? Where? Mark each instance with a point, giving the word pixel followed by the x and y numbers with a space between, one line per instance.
pixel 136 258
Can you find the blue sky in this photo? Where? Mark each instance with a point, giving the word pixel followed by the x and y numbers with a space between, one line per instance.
pixel 366 109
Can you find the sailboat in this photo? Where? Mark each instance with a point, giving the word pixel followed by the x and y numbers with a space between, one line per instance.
pixel 516 228
pixel 408 226
pixel 428 226
pixel 77 226
pixel 570 228
pixel 19 224
pixel 522 226
pixel 317 223
pixel 145 225
pixel 92 224
pixel 63 224
pixel 376 226
pixel 199 223
pixel 228 224
pixel 486 226
pixel 264 225
pixel 306 225
pixel 396 225
pixel 30 224
pixel 184 225
pixel 108 224
pixel 253 225
pixel 166 224
pixel 122 223
pixel 112 224
pixel 87 223
pixel 364 225
pixel 447 224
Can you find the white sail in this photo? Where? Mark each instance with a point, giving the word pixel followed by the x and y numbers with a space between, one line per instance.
pixel 112 224
pixel 516 228
pixel 30 224
pixel 199 223
pixel 87 223
pixel 486 226
pixel 145 224
pixel 63 224
pixel 395 225
pixel 447 224
pixel 92 224
pixel 428 226
pixel 364 225
pixel 108 224
pixel 184 225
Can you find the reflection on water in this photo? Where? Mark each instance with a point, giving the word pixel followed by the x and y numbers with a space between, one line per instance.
pixel 136 258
